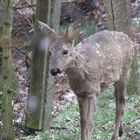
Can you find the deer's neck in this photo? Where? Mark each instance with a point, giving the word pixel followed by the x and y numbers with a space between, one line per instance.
pixel 75 71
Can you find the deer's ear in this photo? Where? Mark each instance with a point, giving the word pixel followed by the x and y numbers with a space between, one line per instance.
pixel 44 29
pixel 72 33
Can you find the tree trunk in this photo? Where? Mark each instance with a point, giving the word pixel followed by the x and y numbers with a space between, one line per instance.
pixel 122 18
pixel 109 12
pixel 38 74
pixel 133 84
pixel 5 44
pixel 54 23
pixel 120 15
pixel 55 14
pixel 43 11
pixel 133 87
pixel 41 82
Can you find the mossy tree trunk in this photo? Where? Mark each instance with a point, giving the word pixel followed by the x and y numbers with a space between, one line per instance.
pixel 122 18
pixel 40 116
pixel 109 12
pixel 55 14
pixel 49 85
pixel 38 73
pixel 6 66
pixel 133 84
pixel 120 15
pixel 133 87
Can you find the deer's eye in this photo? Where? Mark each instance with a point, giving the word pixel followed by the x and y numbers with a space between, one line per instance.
pixel 65 52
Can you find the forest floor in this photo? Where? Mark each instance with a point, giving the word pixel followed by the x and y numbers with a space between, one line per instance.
pixel 66 125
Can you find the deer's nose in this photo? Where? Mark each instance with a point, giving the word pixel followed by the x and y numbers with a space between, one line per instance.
pixel 56 71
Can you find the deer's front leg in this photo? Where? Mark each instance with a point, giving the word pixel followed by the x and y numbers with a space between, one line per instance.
pixel 83 106
pixel 87 106
pixel 92 106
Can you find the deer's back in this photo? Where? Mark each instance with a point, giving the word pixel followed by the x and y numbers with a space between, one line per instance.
pixel 106 55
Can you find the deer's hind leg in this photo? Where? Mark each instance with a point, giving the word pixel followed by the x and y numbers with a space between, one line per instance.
pixel 120 87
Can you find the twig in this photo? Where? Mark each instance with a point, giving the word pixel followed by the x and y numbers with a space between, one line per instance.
pixel 23 53
pixel 24 6
pixel 17 3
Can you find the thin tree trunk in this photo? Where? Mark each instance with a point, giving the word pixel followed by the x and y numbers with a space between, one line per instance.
pixel 120 15
pixel 133 87
pixel 41 82
pixel 133 84
pixel 55 14
pixel 43 11
pixel 5 44
pixel 38 73
pixel 109 12
pixel 54 23
pixel 122 18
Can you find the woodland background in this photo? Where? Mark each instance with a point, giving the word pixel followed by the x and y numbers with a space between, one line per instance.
pixel 54 113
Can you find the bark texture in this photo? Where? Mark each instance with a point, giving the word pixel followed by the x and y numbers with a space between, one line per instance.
pixel 120 15
pixel 38 73
pixel 122 22
pixel 6 69
pixel 41 87
pixel 109 11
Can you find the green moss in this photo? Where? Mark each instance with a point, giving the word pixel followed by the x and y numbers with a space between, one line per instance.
pixel 33 124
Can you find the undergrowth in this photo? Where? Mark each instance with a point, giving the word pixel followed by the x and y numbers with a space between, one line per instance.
pixel 66 126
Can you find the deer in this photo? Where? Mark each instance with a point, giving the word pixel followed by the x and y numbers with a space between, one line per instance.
pixel 95 63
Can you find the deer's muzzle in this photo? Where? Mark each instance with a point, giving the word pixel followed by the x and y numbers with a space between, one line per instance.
pixel 56 71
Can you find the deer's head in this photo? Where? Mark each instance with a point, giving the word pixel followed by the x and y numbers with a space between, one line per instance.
pixel 60 48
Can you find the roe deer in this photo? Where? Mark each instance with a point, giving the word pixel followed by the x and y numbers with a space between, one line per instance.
pixel 98 61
